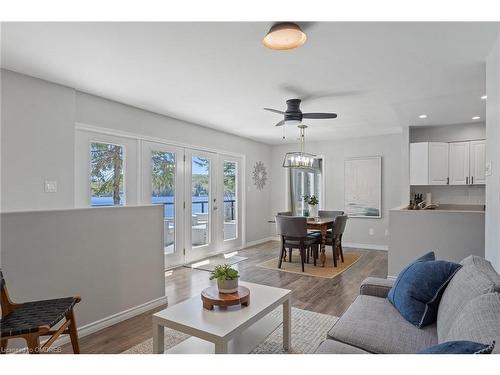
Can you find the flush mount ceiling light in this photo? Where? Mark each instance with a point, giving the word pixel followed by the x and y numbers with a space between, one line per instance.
pixel 422 116
pixel 285 35
pixel 484 97
pixel 476 118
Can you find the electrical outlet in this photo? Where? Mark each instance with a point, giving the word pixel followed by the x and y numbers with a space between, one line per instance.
pixel 51 186
pixel 371 231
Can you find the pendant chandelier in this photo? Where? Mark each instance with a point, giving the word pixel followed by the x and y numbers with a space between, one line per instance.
pixel 301 159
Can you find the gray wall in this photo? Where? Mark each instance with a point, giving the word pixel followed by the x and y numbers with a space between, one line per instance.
pixel 448 133
pixel 91 252
pixel 335 152
pixel 38 125
pixel 493 155
pixel 451 235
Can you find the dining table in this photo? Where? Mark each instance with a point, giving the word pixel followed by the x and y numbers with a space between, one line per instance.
pixel 322 224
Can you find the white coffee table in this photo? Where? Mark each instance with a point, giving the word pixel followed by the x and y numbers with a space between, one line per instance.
pixel 232 330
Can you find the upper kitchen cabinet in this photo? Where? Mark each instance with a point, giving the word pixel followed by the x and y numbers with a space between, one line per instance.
pixel 478 162
pixel 429 163
pixel 459 163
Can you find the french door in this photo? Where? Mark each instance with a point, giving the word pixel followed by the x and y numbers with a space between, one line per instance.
pixel 200 193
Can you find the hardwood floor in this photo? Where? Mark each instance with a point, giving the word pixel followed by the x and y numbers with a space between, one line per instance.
pixel 327 296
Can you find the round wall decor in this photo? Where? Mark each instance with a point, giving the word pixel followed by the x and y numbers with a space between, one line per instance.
pixel 259 175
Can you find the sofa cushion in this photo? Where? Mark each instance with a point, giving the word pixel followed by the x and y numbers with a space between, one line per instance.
pixel 418 289
pixel 459 347
pixel 336 347
pixel 374 325
pixel 478 321
pixel 475 278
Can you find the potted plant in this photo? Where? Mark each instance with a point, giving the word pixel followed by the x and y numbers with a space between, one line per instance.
pixel 312 202
pixel 227 278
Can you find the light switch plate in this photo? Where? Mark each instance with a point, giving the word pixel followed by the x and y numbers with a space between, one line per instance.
pixel 51 186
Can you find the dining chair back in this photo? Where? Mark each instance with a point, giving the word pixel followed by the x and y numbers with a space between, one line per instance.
pixel 285 213
pixel 333 214
pixel 291 226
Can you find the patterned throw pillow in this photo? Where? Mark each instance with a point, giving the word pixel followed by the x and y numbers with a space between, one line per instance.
pixel 459 347
pixel 418 289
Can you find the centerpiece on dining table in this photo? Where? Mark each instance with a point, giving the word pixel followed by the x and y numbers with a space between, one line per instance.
pixel 312 206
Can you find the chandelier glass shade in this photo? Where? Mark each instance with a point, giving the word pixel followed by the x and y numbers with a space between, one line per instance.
pixel 301 159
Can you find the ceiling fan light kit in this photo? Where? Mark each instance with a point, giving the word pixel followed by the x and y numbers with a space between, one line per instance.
pixel 284 35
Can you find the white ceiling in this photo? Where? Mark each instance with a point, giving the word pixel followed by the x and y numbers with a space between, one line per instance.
pixel 220 75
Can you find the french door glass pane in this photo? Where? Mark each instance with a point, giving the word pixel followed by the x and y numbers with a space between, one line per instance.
pixel 106 174
pixel 163 192
pixel 200 198
pixel 230 206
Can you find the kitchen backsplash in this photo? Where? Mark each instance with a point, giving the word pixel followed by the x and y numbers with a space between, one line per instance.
pixel 447 194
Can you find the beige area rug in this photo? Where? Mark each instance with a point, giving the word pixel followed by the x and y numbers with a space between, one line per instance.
pixel 308 331
pixel 328 271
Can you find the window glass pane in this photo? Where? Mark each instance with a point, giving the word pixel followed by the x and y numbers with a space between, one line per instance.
pixel 106 175
pixel 200 187
pixel 163 192
pixel 304 182
pixel 230 204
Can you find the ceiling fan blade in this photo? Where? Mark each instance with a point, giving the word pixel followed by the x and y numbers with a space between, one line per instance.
pixel 319 115
pixel 274 110
pixel 281 123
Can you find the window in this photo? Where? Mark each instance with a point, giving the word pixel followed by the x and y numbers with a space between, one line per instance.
pixel 106 174
pixel 304 182
pixel 230 203
pixel 200 195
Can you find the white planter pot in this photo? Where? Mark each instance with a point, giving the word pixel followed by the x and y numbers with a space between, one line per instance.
pixel 313 211
pixel 227 286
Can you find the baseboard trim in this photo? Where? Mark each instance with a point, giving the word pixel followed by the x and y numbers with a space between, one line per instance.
pixel 365 246
pixel 113 319
pixel 258 242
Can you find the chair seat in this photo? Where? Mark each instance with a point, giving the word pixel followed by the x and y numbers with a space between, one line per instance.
pixel 29 316
pixel 308 241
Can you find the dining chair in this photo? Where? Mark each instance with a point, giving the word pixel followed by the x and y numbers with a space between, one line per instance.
pixel 293 232
pixel 31 320
pixel 332 214
pixel 334 239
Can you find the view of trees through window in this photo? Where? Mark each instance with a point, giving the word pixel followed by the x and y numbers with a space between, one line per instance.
pixel 230 208
pixel 106 175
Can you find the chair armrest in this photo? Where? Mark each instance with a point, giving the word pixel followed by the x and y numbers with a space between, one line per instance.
pixel 376 287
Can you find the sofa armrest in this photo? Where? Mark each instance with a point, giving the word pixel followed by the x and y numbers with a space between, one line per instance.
pixel 376 286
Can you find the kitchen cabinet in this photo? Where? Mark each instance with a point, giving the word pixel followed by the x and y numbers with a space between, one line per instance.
pixel 478 162
pixel 459 163
pixel 429 163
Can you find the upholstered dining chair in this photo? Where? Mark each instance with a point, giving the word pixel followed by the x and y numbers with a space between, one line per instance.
pixel 332 214
pixel 334 239
pixel 30 320
pixel 293 232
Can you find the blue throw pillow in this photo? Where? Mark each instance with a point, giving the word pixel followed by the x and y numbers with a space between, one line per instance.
pixel 459 347
pixel 418 289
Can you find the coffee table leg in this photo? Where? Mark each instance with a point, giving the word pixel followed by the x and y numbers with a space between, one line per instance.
pixel 287 325
pixel 158 338
pixel 221 347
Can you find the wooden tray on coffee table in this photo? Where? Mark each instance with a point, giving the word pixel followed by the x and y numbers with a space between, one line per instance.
pixel 211 297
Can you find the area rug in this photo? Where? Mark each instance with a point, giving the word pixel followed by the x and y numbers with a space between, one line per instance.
pixel 328 271
pixel 210 263
pixel 308 331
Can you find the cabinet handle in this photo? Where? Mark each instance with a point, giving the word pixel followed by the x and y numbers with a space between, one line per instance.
pixel 467 180
pixel 447 180
pixel 472 182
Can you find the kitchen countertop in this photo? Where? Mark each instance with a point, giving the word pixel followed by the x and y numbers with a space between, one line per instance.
pixel 447 208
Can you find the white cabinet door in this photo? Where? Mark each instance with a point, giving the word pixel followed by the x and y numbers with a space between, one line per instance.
pixel 477 162
pixel 419 163
pixel 438 163
pixel 459 163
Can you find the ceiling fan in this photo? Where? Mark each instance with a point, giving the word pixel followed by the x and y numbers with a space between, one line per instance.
pixel 293 115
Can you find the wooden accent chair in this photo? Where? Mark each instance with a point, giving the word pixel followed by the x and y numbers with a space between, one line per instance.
pixel 293 232
pixel 30 320
pixel 334 239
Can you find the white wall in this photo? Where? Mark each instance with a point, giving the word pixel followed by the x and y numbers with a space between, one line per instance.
pixel 493 155
pixel 89 252
pixel 448 133
pixel 38 125
pixel 335 152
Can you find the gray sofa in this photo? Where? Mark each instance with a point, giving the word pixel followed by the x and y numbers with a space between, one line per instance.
pixel 469 310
